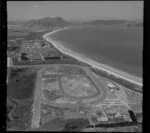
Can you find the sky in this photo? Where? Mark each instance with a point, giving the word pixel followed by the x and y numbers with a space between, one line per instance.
pixel 75 10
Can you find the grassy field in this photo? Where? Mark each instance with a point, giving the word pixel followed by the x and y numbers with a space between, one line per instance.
pixel 13 34
pixel 76 125
pixel 21 84
pixel 20 114
pixel 20 89
pixel 17 31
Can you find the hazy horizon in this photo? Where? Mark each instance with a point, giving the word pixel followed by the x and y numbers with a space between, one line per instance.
pixel 75 10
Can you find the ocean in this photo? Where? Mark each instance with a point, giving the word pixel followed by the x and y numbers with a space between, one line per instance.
pixel 117 46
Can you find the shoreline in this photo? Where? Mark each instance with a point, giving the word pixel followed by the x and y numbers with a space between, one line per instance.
pixel 92 63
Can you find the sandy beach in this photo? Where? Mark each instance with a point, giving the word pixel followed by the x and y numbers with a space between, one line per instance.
pixel 92 63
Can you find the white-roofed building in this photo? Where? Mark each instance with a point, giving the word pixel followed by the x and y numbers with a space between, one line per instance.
pixel 110 85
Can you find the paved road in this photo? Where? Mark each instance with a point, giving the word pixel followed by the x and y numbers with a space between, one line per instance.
pixel 37 102
pixel 41 65
pixel 9 62
pixel 99 85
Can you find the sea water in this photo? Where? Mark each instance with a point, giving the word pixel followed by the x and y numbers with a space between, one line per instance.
pixel 117 46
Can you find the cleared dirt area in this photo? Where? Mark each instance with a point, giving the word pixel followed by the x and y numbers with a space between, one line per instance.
pixel 80 86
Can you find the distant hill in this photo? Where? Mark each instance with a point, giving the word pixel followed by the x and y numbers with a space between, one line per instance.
pixel 107 22
pixel 135 24
pixel 14 22
pixel 116 22
pixel 49 22
pixel 46 22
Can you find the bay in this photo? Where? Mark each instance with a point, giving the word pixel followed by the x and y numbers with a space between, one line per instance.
pixel 117 46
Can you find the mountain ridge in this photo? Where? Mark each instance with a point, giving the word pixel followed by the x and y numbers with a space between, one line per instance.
pixel 46 22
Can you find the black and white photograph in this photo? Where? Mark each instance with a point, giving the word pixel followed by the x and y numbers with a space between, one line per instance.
pixel 74 66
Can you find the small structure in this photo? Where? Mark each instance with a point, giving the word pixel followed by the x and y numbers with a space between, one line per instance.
pixel 81 112
pixel 94 119
pixel 127 117
pixel 118 115
pixel 102 118
pixel 99 113
pixel 19 41
pixel 110 85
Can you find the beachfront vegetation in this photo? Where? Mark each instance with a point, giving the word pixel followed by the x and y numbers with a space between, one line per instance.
pixel 133 96
pixel 76 124
pixel 139 117
pixel 118 80
pixel 34 35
